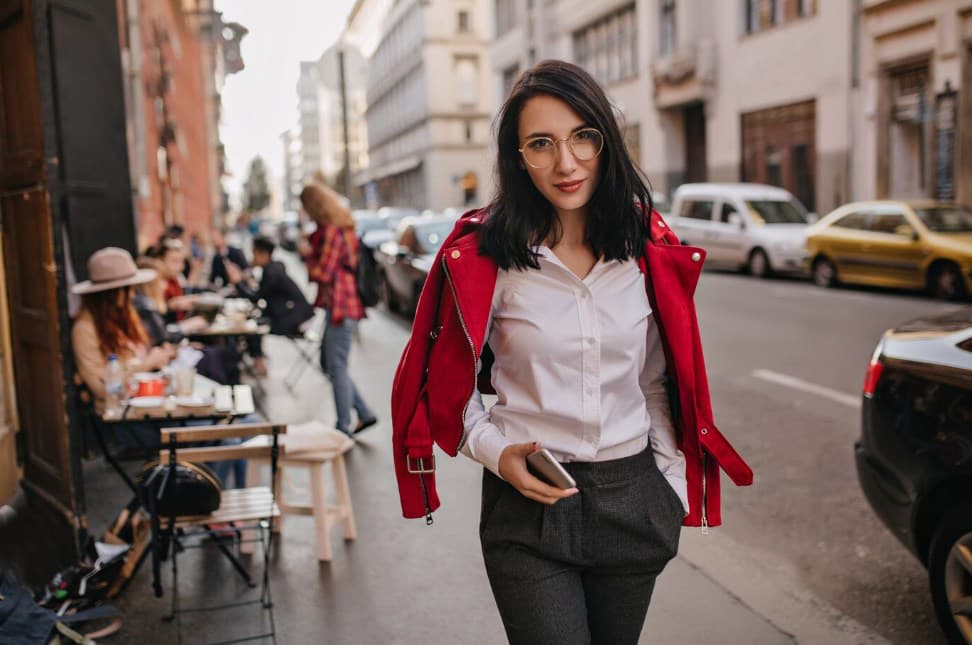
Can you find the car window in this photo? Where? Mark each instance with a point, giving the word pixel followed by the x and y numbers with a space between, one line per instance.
pixel 946 219
pixel 766 211
pixel 432 235
pixel 889 223
pixel 725 212
pixel 856 220
pixel 697 209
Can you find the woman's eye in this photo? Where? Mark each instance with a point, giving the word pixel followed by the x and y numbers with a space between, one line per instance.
pixel 538 144
pixel 586 135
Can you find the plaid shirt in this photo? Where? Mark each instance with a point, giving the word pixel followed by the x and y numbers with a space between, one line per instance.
pixel 334 270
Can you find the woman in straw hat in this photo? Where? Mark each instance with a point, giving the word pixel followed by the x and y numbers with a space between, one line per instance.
pixel 108 323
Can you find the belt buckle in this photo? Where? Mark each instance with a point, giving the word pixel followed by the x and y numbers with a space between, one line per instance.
pixel 421 468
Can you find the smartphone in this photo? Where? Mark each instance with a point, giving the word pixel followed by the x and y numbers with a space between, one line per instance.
pixel 549 469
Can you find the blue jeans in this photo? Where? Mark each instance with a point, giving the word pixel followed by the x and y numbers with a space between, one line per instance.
pixel 337 347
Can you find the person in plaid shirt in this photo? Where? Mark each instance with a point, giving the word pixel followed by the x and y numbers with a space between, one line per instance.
pixel 332 263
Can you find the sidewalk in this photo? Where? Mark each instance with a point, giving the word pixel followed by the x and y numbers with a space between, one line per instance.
pixel 401 581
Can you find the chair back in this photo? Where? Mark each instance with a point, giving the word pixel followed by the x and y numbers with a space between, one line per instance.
pixel 182 444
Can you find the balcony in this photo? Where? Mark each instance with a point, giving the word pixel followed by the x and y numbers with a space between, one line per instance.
pixel 686 76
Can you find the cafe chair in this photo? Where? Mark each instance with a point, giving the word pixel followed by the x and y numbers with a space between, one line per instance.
pixel 249 511
pixel 312 446
pixel 307 345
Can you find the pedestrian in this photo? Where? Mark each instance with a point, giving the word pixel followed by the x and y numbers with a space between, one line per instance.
pixel 332 266
pixel 572 300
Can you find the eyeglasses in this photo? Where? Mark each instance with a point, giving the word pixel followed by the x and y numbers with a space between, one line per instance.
pixel 541 152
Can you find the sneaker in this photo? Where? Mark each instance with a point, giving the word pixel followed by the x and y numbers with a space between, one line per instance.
pixel 364 425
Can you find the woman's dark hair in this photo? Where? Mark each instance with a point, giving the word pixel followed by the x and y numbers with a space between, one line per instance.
pixel 521 217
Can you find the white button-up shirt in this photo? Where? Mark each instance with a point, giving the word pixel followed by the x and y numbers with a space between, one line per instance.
pixel 579 368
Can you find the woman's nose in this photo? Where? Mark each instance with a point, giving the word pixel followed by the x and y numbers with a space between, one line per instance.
pixel 565 161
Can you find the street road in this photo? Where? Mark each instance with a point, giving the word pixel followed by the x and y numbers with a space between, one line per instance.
pixel 786 362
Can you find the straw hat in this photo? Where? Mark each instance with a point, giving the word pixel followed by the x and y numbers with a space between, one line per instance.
pixel 110 268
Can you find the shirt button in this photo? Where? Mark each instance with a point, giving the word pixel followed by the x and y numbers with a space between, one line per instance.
pixel 695 256
pixel 455 255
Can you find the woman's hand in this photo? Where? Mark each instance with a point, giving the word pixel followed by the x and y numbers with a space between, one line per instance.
pixel 513 468
pixel 233 272
pixel 182 303
pixel 193 325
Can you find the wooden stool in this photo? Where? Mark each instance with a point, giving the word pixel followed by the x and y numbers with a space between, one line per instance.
pixel 325 515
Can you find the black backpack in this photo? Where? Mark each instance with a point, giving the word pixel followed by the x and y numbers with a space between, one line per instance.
pixel 366 276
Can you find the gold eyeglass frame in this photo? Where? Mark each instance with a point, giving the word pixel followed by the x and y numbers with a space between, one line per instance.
pixel 554 142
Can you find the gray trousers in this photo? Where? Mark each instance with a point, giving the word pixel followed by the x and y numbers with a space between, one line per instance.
pixel 580 571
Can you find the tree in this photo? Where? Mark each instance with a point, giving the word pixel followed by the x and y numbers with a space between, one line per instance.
pixel 256 190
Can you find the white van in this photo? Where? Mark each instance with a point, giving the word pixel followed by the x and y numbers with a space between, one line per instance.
pixel 754 227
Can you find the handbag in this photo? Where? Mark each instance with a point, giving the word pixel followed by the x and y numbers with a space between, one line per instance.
pixel 192 489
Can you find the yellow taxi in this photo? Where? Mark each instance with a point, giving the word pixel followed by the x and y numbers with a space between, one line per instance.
pixel 905 244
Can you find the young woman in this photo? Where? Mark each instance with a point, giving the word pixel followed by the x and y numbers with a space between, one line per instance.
pixel 331 263
pixel 572 300
pixel 149 301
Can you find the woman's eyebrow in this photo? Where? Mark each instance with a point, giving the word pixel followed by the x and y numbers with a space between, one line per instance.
pixel 534 135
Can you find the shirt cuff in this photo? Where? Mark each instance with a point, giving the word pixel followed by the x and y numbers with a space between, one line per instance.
pixel 680 486
pixel 487 447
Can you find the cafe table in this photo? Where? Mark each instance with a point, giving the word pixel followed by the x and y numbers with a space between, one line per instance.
pixel 209 403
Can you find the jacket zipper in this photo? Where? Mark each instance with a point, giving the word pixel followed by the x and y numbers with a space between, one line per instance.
pixel 472 348
pixel 705 519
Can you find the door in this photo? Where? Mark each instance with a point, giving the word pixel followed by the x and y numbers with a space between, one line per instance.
pixel 893 254
pixel 696 163
pixel 727 242
pixel 29 267
pixel 694 222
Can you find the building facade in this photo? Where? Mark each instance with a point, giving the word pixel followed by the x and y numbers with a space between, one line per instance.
pixel 333 101
pixel 309 120
pixel 914 120
pixel 428 106
pixel 729 91
pixel 173 70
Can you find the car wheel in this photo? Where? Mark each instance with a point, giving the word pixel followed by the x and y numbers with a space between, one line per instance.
pixel 758 265
pixel 824 273
pixel 950 574
pixel 946 282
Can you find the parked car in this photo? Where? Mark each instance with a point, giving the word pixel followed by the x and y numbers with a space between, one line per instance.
pixel 742 226
pixel 380 229
pixel 288 231
pixel 404 262
pixel 914 456
pixel 912 245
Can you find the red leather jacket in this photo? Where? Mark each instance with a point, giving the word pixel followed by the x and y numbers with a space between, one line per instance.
pixel 439 367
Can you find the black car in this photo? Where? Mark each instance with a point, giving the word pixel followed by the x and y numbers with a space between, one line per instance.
pixel 404 262
pixel 914 457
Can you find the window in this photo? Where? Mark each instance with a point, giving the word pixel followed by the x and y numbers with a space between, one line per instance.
pixel 463 22
pixel 856 221
pixel 889 223
pixel 725 212
pixel 505 18
pixel 608 48
pixel 666 28
pixel 697 209
pixel 764 14
pixel 467 81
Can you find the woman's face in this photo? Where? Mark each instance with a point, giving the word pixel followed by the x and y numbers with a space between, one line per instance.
pixel 568 183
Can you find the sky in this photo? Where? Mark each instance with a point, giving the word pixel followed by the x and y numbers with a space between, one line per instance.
pixel 260 102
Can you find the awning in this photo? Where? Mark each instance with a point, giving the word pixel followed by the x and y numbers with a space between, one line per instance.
pixel 389 169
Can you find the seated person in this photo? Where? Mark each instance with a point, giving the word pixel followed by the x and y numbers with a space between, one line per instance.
pixel 179 301
pixel 108 324
pixel 287 308
pixel 222 253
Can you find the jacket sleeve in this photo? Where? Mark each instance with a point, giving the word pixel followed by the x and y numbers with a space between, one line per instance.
pixel 88 357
